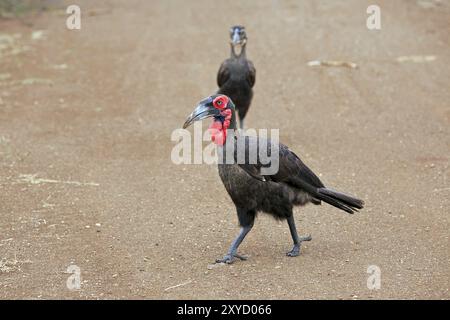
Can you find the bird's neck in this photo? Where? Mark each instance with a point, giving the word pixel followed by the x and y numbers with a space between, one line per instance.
pixel 241 54
pixel 233 119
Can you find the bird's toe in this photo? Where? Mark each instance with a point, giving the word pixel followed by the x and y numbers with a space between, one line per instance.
pixel 294 252
pixel 241 257
pixel 306 238
pixel 228 259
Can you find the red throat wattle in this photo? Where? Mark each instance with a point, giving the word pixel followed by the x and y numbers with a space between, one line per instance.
pixel 218 129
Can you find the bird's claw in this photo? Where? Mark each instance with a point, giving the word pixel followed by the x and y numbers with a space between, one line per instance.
pixel 294 252
pixel 296 249
pixel 229 259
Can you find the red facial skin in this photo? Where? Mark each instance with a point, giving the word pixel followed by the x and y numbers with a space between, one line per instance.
pixel 218 129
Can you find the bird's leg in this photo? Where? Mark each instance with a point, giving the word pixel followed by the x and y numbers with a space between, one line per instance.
pixel 297 240
pixel 232 253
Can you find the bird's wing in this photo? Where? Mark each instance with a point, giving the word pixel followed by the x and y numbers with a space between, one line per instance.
pixel 290 168
pixel 293 172
pixel 224 74
pixel 251 76
pixel 250 163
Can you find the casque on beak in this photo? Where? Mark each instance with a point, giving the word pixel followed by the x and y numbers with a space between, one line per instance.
pixel 204 109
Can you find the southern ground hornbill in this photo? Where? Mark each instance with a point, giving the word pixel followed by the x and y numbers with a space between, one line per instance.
pixel 252 191
pixel 236 76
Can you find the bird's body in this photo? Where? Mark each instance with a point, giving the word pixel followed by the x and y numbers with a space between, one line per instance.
pixel 251 189
pixel 236 76
pixel 251 194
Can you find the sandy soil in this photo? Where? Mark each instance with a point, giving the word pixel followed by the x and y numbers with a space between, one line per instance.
pixel 85 172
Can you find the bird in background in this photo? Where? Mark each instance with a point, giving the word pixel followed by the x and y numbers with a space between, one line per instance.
pixel 236 76
pixel 294 184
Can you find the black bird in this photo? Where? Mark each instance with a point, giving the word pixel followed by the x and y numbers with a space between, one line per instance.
pixel 236 76
pixel 252 191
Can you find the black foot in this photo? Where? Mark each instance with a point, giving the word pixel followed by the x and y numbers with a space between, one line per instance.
pixel 296 249
pixel 229 259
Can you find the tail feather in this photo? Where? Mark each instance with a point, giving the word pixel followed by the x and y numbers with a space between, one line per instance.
pixel 337 199
pixel 340 200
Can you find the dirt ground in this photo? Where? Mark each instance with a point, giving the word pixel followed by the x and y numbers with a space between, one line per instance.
pixel 85 172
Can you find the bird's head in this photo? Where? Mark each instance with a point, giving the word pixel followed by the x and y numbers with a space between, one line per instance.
pixel 221 109
pixel 238 37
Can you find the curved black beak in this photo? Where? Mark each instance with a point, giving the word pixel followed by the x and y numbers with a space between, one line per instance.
pixel 237 39
pixel 204 109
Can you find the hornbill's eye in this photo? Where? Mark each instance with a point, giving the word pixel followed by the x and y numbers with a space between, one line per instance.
pixel 220 102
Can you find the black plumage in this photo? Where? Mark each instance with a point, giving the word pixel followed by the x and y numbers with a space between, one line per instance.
pixel 293 184
pixel 236 76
